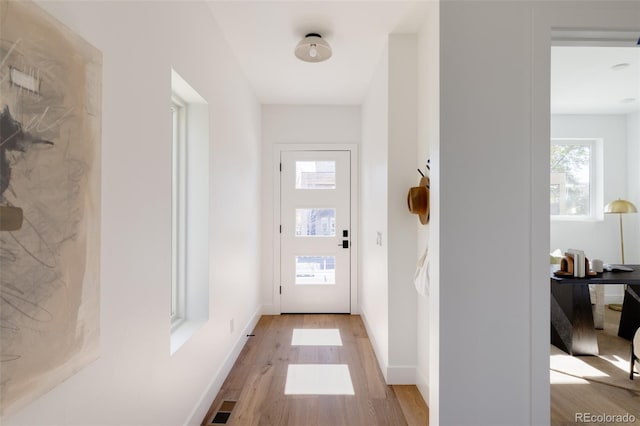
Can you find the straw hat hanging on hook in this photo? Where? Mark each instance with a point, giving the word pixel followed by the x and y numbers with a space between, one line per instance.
pixel 418 200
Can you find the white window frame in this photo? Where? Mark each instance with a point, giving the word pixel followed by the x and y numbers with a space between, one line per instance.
pixel 190 204
pixel 178 210
pixel 596 179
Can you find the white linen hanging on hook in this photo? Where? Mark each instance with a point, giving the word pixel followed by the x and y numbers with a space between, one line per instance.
pixel 421 277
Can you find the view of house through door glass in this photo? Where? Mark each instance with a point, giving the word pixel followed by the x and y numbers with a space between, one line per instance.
pixel 315 240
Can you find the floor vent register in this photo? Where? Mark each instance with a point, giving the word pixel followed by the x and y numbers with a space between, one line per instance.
pixel 222 416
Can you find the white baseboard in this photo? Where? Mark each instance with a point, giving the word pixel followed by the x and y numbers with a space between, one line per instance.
pixel 401 375
pixel 273 310
pixel 372 339
pixel 393 374
pixel 201 408
pixel 424 392
pixel 423 386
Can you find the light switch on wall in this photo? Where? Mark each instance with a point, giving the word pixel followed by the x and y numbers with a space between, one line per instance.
pixel 379 239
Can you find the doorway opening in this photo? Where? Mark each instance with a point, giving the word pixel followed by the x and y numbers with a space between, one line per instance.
pixel 594 150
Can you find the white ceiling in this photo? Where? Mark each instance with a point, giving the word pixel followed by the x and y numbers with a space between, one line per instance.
pixel 263 35
pixel 584 82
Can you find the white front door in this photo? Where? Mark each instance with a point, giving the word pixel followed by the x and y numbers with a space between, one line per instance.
pixel 315 238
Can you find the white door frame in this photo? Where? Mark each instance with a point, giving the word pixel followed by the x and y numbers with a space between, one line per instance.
pixel 277 150
pixel 596 16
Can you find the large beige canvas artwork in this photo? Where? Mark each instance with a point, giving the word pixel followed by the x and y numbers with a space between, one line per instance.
pixel 50 118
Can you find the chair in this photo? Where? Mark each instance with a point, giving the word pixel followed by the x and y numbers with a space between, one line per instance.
pixel 635 353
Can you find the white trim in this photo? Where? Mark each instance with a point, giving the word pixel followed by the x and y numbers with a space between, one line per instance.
pixel 276 230
pixel 355 224
pixel 608 16
pixel 275 309
pixel 393 374
pixel 594 38
pixel 374 345
pixel 539 305
pixel 204 403
pixel 401 375
pixel 422 383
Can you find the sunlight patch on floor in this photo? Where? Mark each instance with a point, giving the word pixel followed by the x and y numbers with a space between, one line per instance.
pixel 558 378
pixel 316 337
pixel 615 360
pixel 573 365
pixel 318 379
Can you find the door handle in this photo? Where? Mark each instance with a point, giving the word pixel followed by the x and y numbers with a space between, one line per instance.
pixel 345 242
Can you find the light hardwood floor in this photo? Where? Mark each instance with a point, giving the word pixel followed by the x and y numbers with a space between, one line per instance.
pixel 257 380
pixel 595 384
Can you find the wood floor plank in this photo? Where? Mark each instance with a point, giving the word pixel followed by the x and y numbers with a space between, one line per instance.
pixel 248 408
pixel 301 410
pixel 257 380
pixel 375 381
pixel 413 406
pixel 388 411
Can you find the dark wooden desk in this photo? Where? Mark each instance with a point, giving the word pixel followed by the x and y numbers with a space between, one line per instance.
pixel 571 315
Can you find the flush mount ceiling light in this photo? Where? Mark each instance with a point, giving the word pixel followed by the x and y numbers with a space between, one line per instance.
pixel 313 48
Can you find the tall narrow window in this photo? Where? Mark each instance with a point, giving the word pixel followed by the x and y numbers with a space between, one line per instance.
pixel 189 306
pixel 178 208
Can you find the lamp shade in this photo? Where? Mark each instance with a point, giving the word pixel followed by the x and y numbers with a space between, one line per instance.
pixel 620 206
pixel 313 48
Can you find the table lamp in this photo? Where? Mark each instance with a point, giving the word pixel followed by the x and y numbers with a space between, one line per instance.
pixel 620 207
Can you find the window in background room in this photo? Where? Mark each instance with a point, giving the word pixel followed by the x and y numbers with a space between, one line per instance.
pixel 575 179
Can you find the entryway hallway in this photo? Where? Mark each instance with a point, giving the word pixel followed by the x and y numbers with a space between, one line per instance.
pixel 312 369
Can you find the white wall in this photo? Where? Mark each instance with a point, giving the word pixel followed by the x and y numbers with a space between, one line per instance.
pixel 374 281
pixel 599 239
pixel 494 211
pixel 484 215
pixel 135 381
pixel 632 221
pixel 401 231
pixel 389 151
pixel 295 124
pixel 428 124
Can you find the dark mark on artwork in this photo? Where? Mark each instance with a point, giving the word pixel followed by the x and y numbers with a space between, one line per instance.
pixel 13 138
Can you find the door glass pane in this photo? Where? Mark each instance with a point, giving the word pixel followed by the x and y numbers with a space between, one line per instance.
pixel 315 175
pixel 315 222
pixel 315 270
